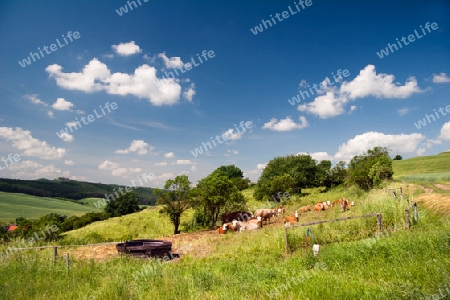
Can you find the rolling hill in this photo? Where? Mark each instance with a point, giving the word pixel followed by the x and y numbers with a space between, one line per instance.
pixel 31 207
pixel 434 167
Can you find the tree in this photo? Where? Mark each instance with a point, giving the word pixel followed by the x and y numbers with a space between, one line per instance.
pixel 216 193
pixel 235 175
pixel 301 168
pixel 175 197
pixel 127 203
pixel 398 157
pixel 367 171
pixel 337 174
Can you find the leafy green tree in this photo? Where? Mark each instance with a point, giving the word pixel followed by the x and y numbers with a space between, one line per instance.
pixel 127 203
pixel 338 174
pixel 216 193
pixel 175 198
pixel 235 174
pixel 398 157
pixel 301 168
pixel 369 170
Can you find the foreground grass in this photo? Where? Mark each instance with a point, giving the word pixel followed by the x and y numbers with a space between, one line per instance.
pixel 353 263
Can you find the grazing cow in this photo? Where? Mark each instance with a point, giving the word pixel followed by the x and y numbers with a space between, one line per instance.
pixel 251 224
pixel 325 205
pixel 237 215
pixel 291 219
pixel 318 206
pixel 305 208
pixel 280 210
pixel 223 229
pixel 265 214
pixel 234 226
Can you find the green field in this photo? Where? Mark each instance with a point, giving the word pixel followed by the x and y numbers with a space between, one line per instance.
pixel 31 207
pixel 423 166
pixel 355 261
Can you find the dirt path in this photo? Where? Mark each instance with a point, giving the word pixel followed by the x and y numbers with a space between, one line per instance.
pixel 442 187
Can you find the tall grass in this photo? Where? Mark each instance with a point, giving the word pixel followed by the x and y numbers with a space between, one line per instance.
pixel 427 177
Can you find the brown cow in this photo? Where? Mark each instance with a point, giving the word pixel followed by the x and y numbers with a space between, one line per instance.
pixel 223 229
pixel 237 215
pixel 265 214
pixel 305 208
pixel 318 206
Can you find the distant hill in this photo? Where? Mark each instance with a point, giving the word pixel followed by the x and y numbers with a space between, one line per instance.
pixel 422 165
pixel 70 189
pixel 32 207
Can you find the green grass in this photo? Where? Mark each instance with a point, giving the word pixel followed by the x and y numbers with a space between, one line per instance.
pixel 14 205
pixel 427 177
pixel 422 165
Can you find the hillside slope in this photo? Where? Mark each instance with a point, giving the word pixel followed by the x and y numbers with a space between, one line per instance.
pixel 422 165
pixel 32 207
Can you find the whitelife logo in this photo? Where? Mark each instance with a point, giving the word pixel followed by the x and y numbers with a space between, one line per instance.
pixel 27 61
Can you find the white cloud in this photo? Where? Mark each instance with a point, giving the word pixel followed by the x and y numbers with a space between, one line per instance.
pixel 23 140
pixel 403 111
pixel 189 92
pixel 400 143
pixel 35 100
pixel 193 168
pixel 319 156
pixel 161 164
pixel 445 132
pixel 169 155
pixel 62 104
pixel 50 113
pixel 232 151
pixel 126 49
pixel 285 124
pixel 441 78
pixel 66 137
pixel 138 146
pixel 171 63
pixel 182 162
pixel 108 165
pixel 69 162
pixel 165 176
pixel 233 136
pixel 115 170
pixel 261 166
pixel 28 169
pixel 382 85
pixel 143 83
pixel 332 100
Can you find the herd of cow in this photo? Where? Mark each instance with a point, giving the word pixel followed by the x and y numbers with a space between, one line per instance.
pixel 240 220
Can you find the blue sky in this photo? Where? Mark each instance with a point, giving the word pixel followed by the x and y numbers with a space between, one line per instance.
pixel 248 77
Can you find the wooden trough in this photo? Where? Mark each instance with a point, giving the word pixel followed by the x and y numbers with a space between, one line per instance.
pixel 147 248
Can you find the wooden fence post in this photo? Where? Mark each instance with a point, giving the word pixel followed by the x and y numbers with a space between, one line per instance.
pixel 55 253
pixel 380 225
pixel 286 236
pixel 67 263
pixel 415 213
pixel 407 218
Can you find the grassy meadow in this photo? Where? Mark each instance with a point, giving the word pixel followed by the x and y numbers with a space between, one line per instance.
pixel 13 205
pixel 355 260
pixel 435 167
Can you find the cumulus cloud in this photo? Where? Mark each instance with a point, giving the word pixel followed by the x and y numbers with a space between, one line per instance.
pixel 332 100
pixel 35 100
pixel 445 132
pixel 169 155
pixel 189 92
pixel 69 162
pixel 441 78
pixel 397 143
pixel 182 162
pixel 115 168
pixel 172 62
pixel 28 169
pixel 233 136
pixel 261 166
pixel 161 164
pixel 285 124
pixel 126 49
pixel 66 137
pixel 24 141
pixel 62 104
pixel 138 146
pixel 96 76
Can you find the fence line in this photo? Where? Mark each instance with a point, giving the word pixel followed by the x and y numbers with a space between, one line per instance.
pixel 378 215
